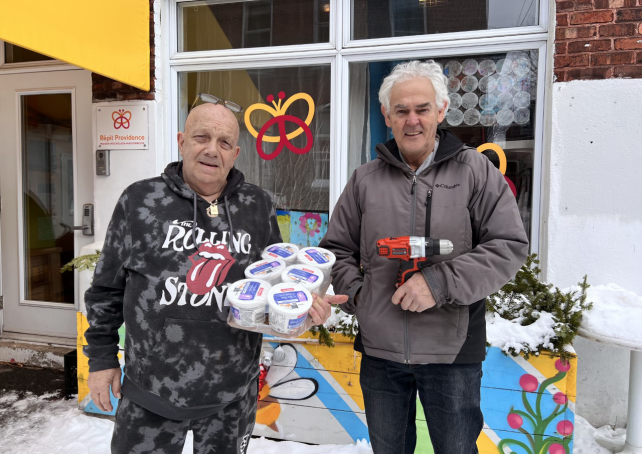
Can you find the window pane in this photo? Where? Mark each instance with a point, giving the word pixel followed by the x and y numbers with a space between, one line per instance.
pixel 245 24
pixel 389 18
pixel 292 161
pixel 17 54
pixel 492 100
pixel 48 196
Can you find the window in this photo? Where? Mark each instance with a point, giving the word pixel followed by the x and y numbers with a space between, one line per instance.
pixel 492 100
pixel 292 169
pixel 245 24
pixel 391 18
pixel 17 54
pixel 338 52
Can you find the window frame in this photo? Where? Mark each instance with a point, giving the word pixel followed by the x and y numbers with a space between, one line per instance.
pixel 340 51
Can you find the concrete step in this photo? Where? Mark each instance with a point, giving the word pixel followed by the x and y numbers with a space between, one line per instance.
pixel 33 353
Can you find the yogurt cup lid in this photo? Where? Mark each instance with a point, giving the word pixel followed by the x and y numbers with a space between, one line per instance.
pixel 281 251
pixel 248 292
pixel 316 256
pixel 265 268
pixel 290 299
pixel 305 275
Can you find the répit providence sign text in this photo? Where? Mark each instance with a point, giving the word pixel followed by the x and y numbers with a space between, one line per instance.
pixel 122 127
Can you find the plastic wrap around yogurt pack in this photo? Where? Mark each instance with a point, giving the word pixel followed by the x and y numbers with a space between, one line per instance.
pixel 267 270
pixel 289 305
pixel 248 301
pixel 318 257
pixel 310 277
pixel 283 251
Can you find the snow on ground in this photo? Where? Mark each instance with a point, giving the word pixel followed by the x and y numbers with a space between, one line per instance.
pixel 589 440
pixel 36 425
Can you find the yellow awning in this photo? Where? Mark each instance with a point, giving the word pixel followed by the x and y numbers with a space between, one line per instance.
pixel 107 37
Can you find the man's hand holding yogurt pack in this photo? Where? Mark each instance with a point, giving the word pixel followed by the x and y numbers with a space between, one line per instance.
pixel 284 293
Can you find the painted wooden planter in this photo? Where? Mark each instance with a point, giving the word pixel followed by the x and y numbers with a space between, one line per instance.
pixel 313 395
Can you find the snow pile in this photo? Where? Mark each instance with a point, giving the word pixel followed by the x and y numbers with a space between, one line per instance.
pixel 589 440
pixel 614 313
pixel 36 425
pixel 510 334
pixel 264 446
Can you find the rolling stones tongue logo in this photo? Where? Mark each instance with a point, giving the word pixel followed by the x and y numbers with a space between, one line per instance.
pixel 210 267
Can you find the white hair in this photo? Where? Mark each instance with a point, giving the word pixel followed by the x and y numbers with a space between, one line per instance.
pixel 412 70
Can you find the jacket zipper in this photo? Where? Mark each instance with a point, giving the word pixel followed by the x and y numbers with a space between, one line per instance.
pixel 406 333
pixel 428 204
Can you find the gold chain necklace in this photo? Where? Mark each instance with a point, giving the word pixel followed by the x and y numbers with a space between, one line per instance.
pixel 212 210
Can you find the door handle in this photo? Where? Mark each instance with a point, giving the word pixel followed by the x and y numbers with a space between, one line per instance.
pixel 87 226
pixel 75 227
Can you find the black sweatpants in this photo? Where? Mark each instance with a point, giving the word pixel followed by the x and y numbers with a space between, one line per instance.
pixel 139 431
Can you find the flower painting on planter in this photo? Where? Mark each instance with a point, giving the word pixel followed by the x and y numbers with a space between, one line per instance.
pixel 541 412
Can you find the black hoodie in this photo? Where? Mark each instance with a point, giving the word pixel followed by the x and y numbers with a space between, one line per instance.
pixel 182 359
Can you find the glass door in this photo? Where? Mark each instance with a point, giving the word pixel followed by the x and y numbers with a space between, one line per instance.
pixel 47 196
pixel 45 122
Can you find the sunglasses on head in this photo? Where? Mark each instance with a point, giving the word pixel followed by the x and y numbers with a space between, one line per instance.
pixel 205 97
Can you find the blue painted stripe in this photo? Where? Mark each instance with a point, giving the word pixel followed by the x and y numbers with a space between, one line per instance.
pixel 332 400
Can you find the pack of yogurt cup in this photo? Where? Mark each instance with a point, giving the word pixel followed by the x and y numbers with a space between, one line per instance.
pixel 277 293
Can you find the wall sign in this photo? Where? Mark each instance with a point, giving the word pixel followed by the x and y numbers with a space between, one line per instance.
pixel 123 127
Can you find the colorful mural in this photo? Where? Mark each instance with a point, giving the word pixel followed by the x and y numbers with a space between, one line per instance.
pixel 302 229
pixel 311 394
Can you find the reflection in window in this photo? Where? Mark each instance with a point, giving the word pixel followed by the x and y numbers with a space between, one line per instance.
pixel 257 24
pixel 392 18
pixel 48 196
pixel 492 100
pixel 17 54
pixel 245 24
pixel 295 181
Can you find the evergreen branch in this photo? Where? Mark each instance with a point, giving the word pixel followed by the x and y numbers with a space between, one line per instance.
pixel 82 262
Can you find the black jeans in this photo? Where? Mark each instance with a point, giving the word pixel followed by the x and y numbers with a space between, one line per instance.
pixel 449 394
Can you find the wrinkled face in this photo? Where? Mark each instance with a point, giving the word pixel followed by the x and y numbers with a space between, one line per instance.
pixel 414 117
pixel 208 147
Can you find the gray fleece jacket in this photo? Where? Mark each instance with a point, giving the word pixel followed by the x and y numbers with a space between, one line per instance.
pixel 468 202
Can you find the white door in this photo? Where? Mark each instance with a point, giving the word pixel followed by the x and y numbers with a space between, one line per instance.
pixel 46 176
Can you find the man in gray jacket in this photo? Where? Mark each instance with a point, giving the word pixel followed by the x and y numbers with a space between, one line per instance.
pixel 427 336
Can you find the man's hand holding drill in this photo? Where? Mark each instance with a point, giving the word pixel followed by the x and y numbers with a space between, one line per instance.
pixel 414 295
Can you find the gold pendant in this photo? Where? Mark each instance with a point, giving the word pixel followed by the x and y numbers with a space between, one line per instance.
pixel 212 210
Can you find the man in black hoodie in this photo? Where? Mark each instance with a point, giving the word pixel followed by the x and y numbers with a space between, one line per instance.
pixel 173 245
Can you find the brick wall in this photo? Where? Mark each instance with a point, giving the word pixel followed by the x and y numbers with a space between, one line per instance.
pixel 106 89
pixel 598 39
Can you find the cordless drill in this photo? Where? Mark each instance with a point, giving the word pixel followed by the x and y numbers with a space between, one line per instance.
pixel 412 252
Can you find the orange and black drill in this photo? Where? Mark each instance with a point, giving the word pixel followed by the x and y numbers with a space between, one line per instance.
pixel 412 252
